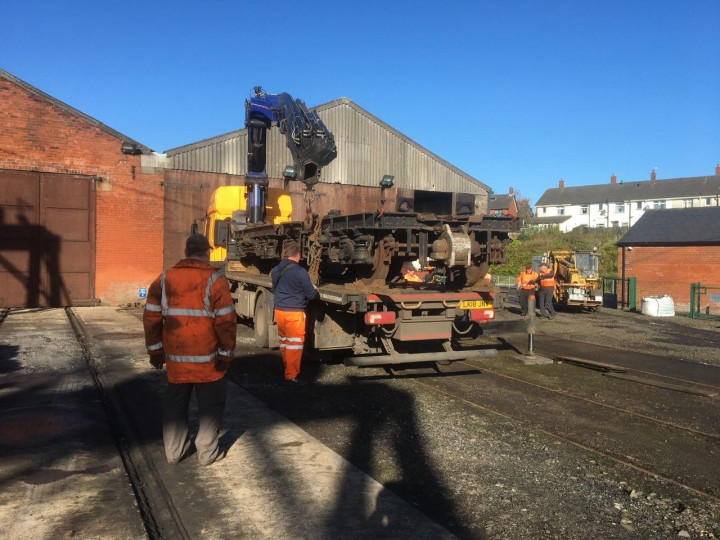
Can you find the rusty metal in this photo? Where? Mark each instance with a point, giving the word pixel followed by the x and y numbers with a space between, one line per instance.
pixel 413 358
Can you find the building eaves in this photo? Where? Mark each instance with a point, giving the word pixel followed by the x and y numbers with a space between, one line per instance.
pixel 673 188
pixel 71 110
pixel 675 227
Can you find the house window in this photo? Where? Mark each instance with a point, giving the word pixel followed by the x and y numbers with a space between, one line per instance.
pixel 583 208
pixel 544 210
pixel 659 205
pixel 638 205
pixel 688 203
pixel 561 211
pixel 708 201
pixel 620 208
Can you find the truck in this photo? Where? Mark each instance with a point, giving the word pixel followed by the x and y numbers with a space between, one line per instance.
pixel 394 286
pixel 577 280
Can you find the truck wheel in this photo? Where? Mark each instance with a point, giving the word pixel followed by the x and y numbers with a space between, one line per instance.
pixel 261 325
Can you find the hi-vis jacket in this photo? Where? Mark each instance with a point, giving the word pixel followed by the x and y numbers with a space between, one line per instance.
pixel 190 317
pixel 547 280
pixel 527 280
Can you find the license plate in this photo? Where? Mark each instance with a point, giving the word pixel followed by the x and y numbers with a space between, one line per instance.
pixel 475 304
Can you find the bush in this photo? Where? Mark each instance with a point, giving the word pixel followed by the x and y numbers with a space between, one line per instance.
pixel 533 241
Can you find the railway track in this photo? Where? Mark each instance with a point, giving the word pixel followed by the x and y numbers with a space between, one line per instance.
pixel 619 433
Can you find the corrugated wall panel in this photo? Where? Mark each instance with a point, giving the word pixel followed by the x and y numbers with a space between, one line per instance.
pixel 367 150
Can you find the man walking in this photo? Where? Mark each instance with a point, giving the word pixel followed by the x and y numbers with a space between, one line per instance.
pixel 190 324
pixel 546 281
pixel 293 289
pixel 526 286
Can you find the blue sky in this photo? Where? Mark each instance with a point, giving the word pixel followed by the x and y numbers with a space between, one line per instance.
pixel 515 93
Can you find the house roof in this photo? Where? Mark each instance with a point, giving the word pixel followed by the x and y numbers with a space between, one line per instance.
pixel 500 202
pixel 549 220
pixel 673 227
pixel 673 188
pixel 68 109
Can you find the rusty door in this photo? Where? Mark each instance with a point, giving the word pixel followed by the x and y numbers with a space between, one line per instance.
pixel 47 239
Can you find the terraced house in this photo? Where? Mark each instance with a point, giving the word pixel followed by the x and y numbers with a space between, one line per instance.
pixel 622 204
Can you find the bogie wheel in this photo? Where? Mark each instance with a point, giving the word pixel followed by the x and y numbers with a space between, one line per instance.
pixel 262 338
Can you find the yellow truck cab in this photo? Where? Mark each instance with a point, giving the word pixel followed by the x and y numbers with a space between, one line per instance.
pixel 227 200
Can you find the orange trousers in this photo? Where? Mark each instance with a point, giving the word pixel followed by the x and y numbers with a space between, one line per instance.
pixel 291 334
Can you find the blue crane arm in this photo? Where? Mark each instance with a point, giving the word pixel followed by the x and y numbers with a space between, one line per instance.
pixel 311 143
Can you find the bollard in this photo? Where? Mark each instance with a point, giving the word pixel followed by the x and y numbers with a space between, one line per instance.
pixel 531 324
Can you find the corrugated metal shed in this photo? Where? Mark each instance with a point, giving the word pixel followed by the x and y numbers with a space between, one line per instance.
pixel 368 148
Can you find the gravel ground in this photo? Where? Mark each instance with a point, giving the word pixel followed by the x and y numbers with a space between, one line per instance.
pixel 695 340
pixel 485 475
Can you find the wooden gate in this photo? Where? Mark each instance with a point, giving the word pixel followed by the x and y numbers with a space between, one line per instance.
pixel 47 239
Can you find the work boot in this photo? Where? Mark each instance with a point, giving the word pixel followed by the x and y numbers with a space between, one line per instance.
pixel 297 381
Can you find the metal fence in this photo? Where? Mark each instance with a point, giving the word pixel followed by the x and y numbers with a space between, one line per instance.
pixel 620 293
pixel 704 301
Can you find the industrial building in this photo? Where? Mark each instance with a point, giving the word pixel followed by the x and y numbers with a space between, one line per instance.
pixel 84 208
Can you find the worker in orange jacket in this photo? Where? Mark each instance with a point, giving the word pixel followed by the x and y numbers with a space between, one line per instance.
pixel 190 325
pixel 546 291
pixel 526 283
pixel 292 289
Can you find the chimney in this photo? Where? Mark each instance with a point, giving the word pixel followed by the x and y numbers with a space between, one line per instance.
pixel 717 169
pixel 511 189
pixel 653 175
pixel 613 179
pixel 561 184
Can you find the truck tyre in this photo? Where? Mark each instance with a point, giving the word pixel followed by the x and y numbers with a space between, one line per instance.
pixel 260 321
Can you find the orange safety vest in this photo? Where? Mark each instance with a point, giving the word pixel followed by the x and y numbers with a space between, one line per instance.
pixel 190 317
pixel 527 281
pixel 547 280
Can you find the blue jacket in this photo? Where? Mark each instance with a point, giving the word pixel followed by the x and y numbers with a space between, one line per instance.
pixel 293 289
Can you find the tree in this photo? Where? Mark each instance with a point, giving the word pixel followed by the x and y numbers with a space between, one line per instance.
pixel 524 206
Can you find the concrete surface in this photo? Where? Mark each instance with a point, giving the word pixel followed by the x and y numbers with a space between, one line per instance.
pixel 61 470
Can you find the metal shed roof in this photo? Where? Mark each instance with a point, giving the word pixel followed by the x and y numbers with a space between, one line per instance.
pixel 368 148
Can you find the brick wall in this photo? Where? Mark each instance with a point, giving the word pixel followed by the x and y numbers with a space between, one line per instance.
pixel 671 270
pixel 38 135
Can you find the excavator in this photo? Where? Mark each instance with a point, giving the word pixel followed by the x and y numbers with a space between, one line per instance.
pixel 370 247
pixel 577 280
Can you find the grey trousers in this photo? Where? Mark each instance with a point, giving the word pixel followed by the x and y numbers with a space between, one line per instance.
pixel 545 301
pixel 211 404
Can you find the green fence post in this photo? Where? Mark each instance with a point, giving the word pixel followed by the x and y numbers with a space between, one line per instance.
pixel 632 288
pixel 694 300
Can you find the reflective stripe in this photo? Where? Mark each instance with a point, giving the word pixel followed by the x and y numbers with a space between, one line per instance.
pixel 180 312
pixel 163 296
pixel 224 311
pixel 187 313
pixel 225 353
pixel 208 288
pixel 193 359
pixel 295 339
pixel 292 347
pixel 152 307
pixel 155 347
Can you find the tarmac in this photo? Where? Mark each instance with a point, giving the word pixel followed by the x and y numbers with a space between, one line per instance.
pixel 81 452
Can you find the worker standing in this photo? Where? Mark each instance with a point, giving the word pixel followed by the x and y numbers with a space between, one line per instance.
pixel 526 286
pixel 190 324
pixel 546 290
pixel 293 289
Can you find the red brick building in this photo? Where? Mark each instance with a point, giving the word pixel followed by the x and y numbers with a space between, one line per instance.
pixel 79 221
pixel 668 250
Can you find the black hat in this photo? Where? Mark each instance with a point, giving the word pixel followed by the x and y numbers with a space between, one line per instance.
pixel 196 244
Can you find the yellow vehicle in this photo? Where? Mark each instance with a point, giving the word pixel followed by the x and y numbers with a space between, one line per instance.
pixel 577 279
pixel 228 204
